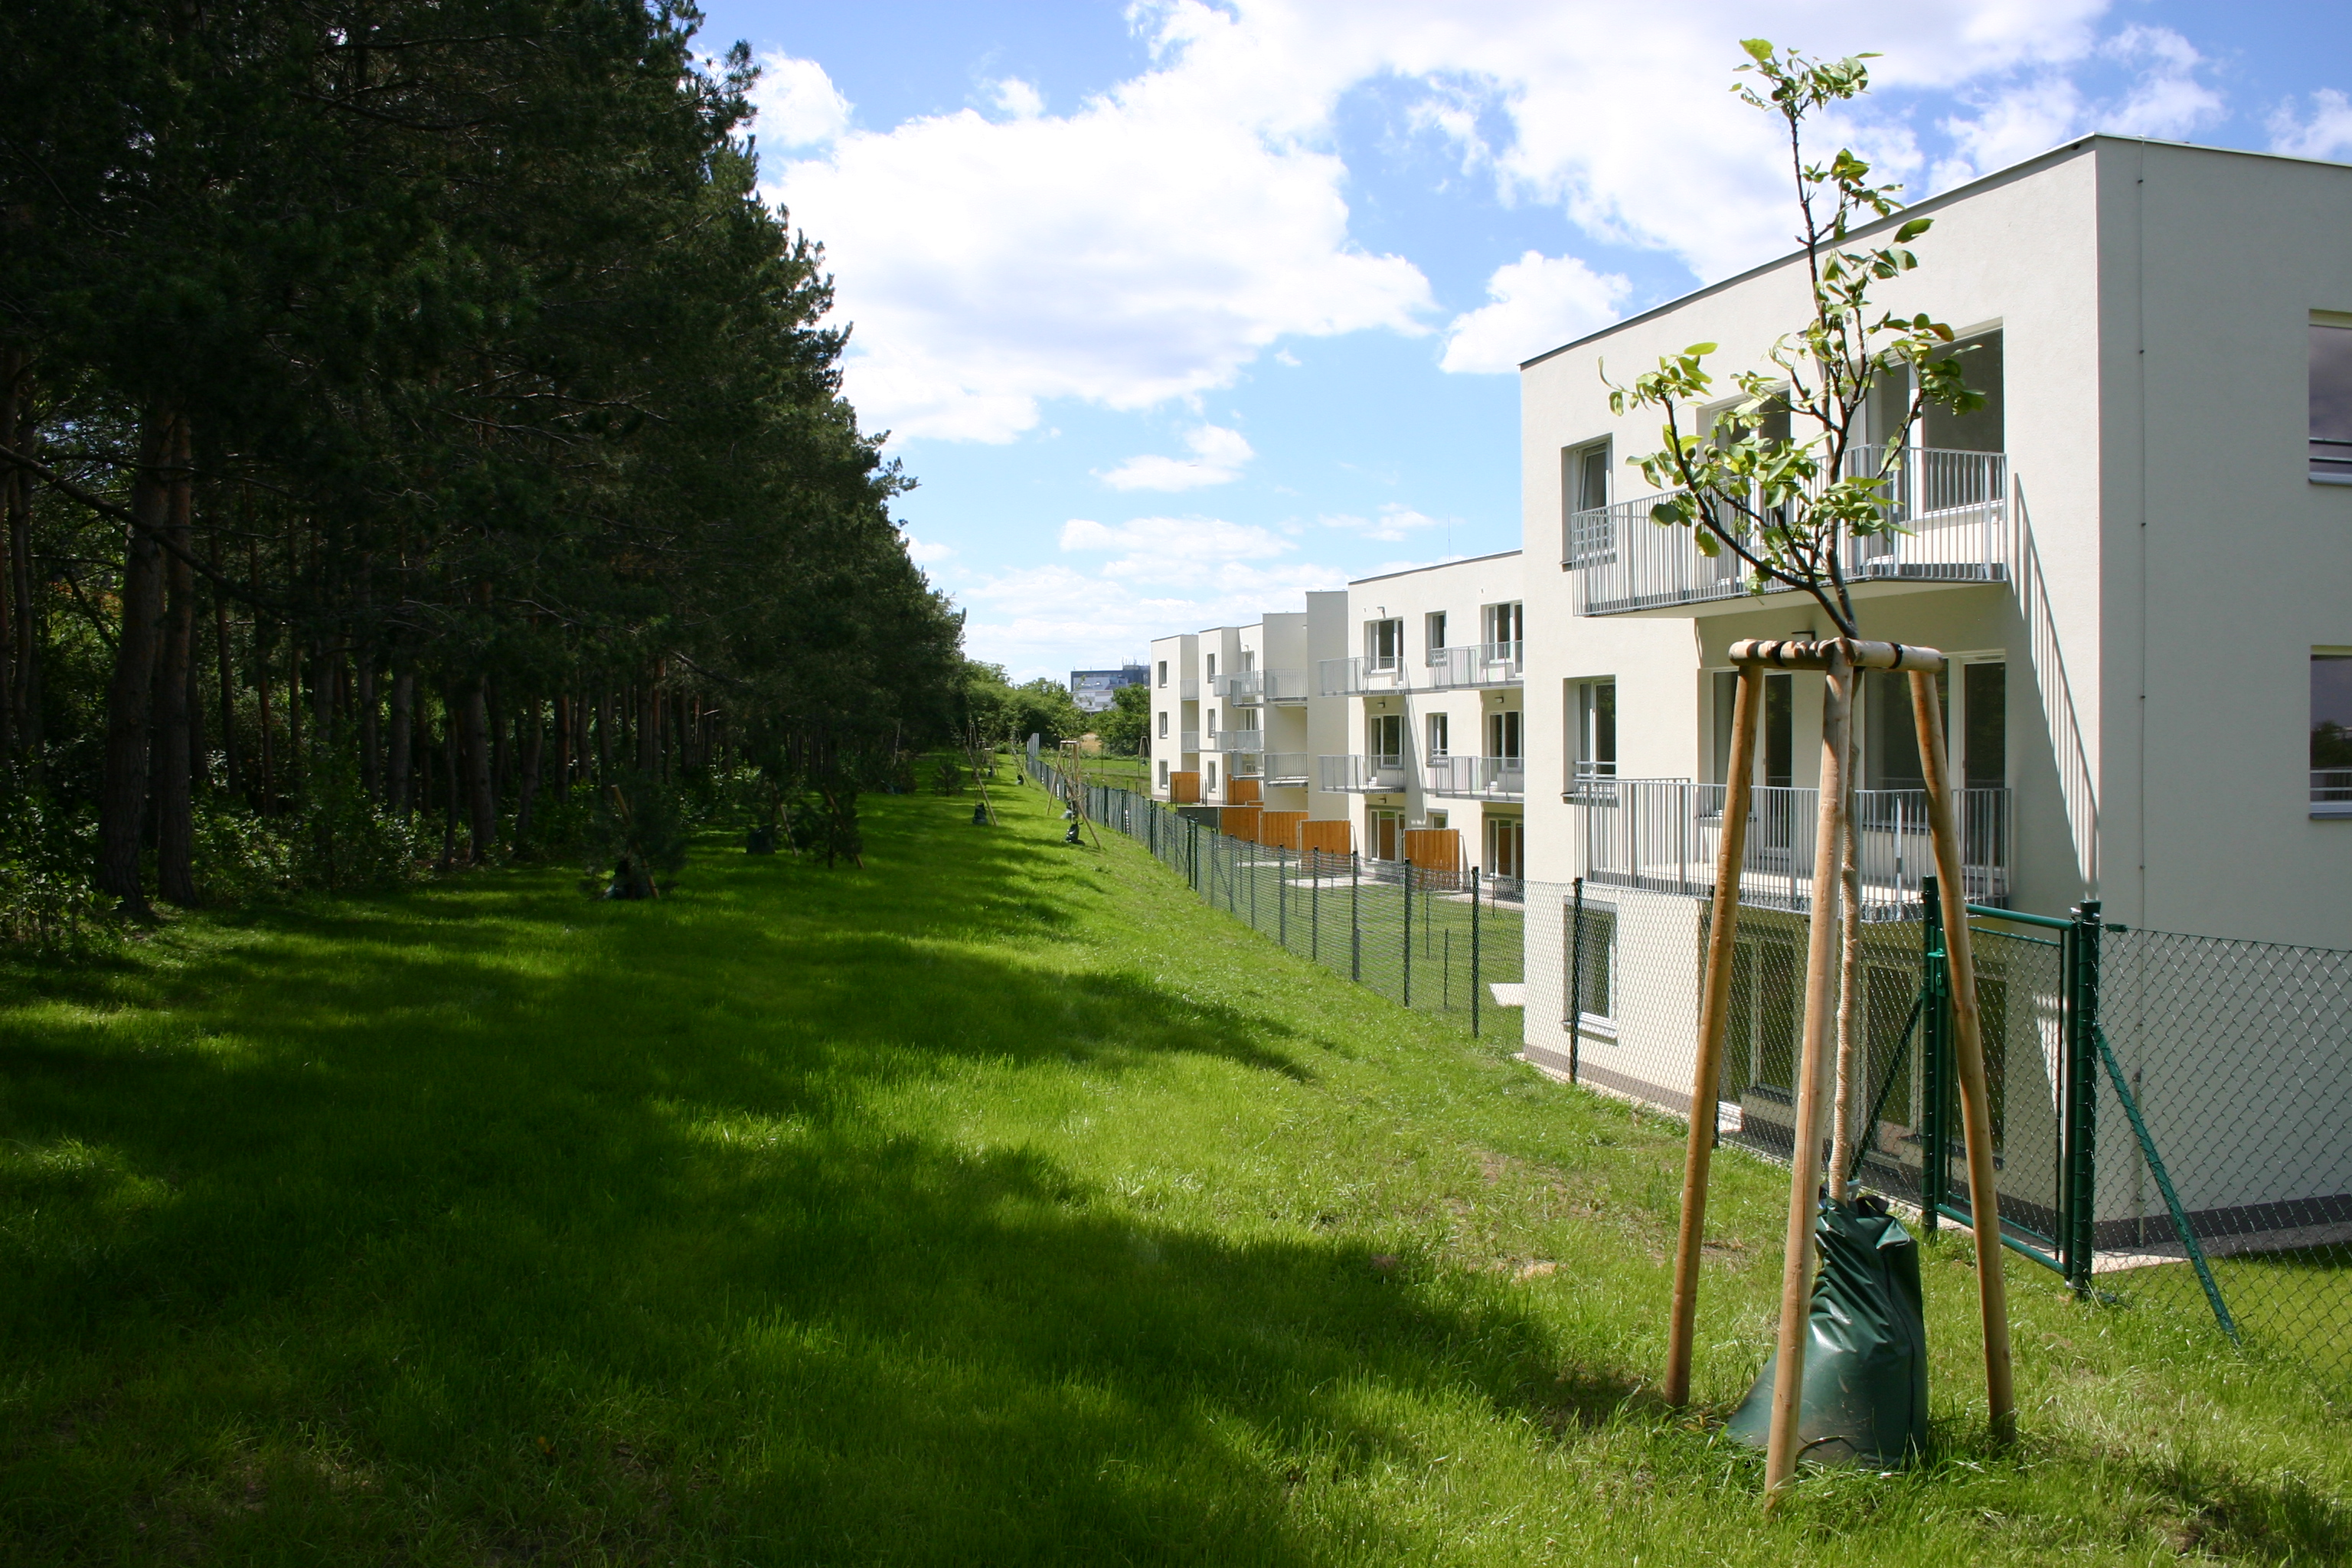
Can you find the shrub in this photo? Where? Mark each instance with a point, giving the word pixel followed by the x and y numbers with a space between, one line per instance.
pixel 47 899
pixel 640 829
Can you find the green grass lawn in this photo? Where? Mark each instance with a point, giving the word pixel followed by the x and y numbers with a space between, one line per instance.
pixel 996 1203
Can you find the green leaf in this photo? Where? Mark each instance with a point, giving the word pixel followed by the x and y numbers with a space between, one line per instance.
pixel 1708 544
pixel 1912 230
pixel 1758 49
pixel 1667 513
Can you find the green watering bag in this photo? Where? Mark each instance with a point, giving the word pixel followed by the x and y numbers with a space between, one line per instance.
pixel 1865 1401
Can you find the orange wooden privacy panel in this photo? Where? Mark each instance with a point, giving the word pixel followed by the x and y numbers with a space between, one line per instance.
pixel 1434 849
pixel 1184 789
pixel 1331 838
pixel 1238 821
pixel 1279 829
pixel 1241 792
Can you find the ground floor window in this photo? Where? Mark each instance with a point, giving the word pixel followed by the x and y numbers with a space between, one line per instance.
pixel 1592 960
pixel 2331 733
pixel 1506 847
pixel 1163 775
pixel 1386 834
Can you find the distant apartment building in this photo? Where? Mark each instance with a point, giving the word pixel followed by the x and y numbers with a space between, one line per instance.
pixel 1093 690
pixel 1383 719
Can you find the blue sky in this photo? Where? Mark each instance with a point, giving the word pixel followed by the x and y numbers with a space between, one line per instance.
pixel 1177 309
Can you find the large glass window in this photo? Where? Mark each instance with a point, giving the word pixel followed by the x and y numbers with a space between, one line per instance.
pixel 1584 488
pixel 2331 400
pixel 1387 730
pixel 1503 736
pixel 1384 644
pixel 2331 733
pixel 1436 635
pixel 1592 720
pixel 1592 960
pixel 1440 741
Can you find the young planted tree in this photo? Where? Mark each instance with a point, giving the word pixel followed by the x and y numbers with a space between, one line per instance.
pixel 1793 481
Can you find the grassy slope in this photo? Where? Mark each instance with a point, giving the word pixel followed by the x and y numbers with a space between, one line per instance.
pixel 997 1203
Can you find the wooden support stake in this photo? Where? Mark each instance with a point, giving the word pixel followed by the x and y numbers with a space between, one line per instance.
pixel 1821 1012
pixel 1975 1104
pixel 1715 1000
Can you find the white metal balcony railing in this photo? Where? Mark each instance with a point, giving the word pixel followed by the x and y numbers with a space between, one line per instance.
pixel 1354 676
pixel 1474 664
pixel 1661 835
pixel 1276 770
pixel 1237 740
pixel 1265 686
pixel 2331 792
pixel 1188 690
pixel 1361 775
pixel 1954 506
pixel 1484 778
pixel 1192 740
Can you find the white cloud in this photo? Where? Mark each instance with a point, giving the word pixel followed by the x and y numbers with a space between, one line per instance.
pixel 796 103
pixel 1019 98
pixel 2326 134
pixel 924 551
pixel 1152 241
pixel 2164 99
pixel 1538 302
pixel 1394 521
pixel 1217 457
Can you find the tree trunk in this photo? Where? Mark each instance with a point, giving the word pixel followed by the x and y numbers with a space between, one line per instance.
pixel 403 700
pixel 24 694
pixel 534 750
pixel 448 776
pixel 370 773
pixel 562 746
pixel 173 763
pixel 649 730
pixel 481 806
pixel 230 761
pixel 130 693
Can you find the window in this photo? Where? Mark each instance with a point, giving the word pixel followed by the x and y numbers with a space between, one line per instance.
pixel 1387 834
pixel 1506 626
pixel 1437 820
pixel 1213 667
pixel 1436 635
pixel 1506 847
pixel 2331 733
pixel 1383 644
pixel 1584 493
pixel 1593 725
pixel 1438 741
pixel 1212 774
pixel 1388 738
pixel 1503 736
pixel 1591 965
pixel 1212 724
pixel 1163 672
pixel 1249 662
pixel 2331 398
pixel 1979 430
pixel 1164 723
pixel 1780 731
pixel 1163 768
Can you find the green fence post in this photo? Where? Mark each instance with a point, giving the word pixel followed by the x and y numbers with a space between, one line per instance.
pixel 1355 917
pixel 1933 1001
pixel 1576 982
pixel 1253 871
pixel 1314 903
pixel 1282 890
pixel 1408 933
pixel 1474 953
pixel 2081 1236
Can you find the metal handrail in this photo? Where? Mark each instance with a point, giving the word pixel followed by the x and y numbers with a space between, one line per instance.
pixel 1237 740
pixel 1474 664
pixel 1490 778
pixel 1661 835
pixel 1360 774
pixel 1354 676
pixel 1950 508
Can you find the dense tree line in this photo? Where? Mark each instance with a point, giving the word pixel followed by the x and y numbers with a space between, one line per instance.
pixel 408 414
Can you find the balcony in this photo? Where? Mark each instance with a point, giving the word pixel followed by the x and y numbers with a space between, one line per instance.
pixel 1475 664
pixel 1661 835
pixel 2331 792
pixel 1192 740
pixel 1361 775
pixel 1475 778
pixel 1187 690
pixel 1237 739
pixel 1360 677
pixel 1276 770
pixel 1954 507
pixel 1257 686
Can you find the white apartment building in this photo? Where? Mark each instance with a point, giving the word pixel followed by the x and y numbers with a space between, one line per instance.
pixel 2138 552
pixel 1390 711
pixel 1435 730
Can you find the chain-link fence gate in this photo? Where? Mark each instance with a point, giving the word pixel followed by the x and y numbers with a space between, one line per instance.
pixel 2172 1115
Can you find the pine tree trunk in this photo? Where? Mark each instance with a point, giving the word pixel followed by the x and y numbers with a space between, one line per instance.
pixel 481 806
pixel 24 693
pixel 448 776
pixel 172 761
pixel 403 700
pixel 371 771
pixel 649 730
pixel 130 692
pixel 231 763
pixel 534 750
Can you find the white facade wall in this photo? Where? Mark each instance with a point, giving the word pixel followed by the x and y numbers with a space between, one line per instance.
pixel 1175 709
